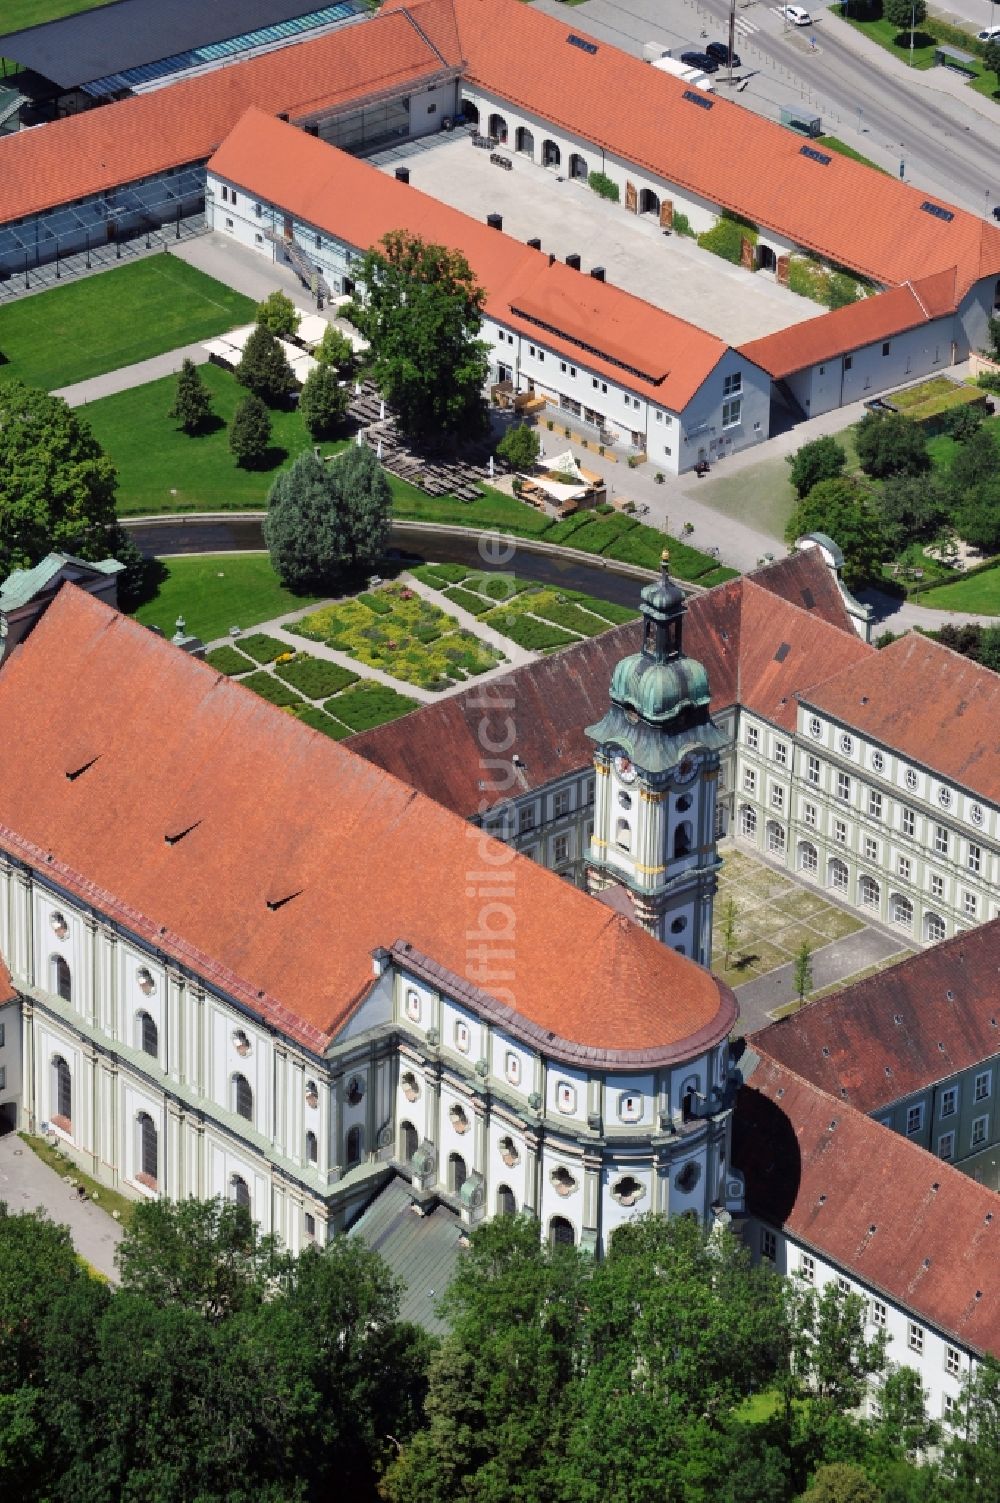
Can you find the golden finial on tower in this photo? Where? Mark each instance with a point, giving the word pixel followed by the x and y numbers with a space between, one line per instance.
pixel 665 559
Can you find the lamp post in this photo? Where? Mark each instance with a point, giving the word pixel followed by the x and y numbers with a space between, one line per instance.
pixel 913 11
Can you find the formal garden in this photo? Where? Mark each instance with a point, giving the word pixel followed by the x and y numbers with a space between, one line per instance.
pixel 539 618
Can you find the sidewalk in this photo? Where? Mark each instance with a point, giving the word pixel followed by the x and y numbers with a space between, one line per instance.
pixel 832 964
pixel 128 376
pixel 27 1183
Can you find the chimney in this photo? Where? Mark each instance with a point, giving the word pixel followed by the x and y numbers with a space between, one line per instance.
pixel 552 259
pixel 573 260
pixel 495 221
pixel 402 174
pixel 597 272
pixel 535 244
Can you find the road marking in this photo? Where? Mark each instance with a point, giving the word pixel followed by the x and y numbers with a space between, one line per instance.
pixel 746 28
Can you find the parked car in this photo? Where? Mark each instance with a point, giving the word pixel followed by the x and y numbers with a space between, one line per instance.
pixel 720 52
pixel 996 211
pixel 700 60
pixel 796 15
pixel 991 34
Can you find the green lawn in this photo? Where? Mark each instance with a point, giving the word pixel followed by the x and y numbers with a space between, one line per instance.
pixel 830 143
pixel 980 595
pixel 926 39
pixel 143 308
pixel 217 592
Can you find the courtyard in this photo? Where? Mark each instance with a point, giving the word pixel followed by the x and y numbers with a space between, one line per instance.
pixel 670 271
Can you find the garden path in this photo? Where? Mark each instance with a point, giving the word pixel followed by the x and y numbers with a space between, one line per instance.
pixel 515 654
pixel 127 376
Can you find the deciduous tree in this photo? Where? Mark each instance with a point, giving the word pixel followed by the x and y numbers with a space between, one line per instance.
pixel 365 502
pixel 278 313
pixel 422 314
pixel 890 444
pixel 842 509
pixel 334 350
pixel 520 447
pixel 821 459
pixel 904 13
pixel 305 529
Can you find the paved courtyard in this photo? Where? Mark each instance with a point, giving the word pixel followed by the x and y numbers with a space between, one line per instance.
pixel 26 1184
pixel 776 914
pixel 670 271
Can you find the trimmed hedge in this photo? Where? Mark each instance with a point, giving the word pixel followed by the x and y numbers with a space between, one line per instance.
pixel 573 617
pixel 315 677
pixel 262 648
pixel 560 532
pixel 616 614
pixel 536 636
pixel 496 586
pixel 376 603
pixel 469 602
pixel 272 689
pixel 319 720
pixel 228 661
pixel 366 705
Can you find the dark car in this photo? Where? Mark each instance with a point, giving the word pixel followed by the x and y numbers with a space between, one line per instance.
pixel 700 60
pixel 719 52
pixel 996 211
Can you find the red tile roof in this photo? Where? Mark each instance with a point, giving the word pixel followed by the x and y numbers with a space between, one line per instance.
pixel 928 703
pixel 636 113
pixel 666 358
pixel 783 651
pixel 900 1031
pixel 184 122
pixel 902 1222
pixel 300 858
pixel 7 992
pixel 439 747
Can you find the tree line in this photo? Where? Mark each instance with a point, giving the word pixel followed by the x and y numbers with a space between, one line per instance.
pixel 672 1371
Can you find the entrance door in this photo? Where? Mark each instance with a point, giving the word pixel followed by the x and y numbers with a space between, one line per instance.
pixel 288 227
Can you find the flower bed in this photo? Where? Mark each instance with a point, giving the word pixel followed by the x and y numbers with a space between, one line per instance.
pixel 228 661
pixel 314 677
pixel 469 602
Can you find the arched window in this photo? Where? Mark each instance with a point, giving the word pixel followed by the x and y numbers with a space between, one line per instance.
pixel 62 980
pixel 578 168
pixel 934 927
pixel 869 893
pixel 149 1036
pixel 837 874
pixel 748 822
pixel 775 838
pixel 148 1148
pixel 808 856
pixel 623 835
pixel 561 1233
pixel 506 1204
pixel 649 203
pixel 901 911
pixel 457 1172
pixel 242 1097
pixel 498 128
pixel 407 1141
pixel 312 1148
pixel 525 141
pixel 470 111
pixel 62 1093
pixel 239 1191
pixel 551 155
pixel 683 836
pixel 355 1145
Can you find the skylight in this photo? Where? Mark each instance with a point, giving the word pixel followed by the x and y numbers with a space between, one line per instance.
pixel 936 210
pixel 699 99
pixel 814 155
pixel 582 43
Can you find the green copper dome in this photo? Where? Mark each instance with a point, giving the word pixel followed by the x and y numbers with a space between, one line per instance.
pixel 663 598
pixel 657 690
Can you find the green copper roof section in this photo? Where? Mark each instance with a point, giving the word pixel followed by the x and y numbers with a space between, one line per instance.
pixel 22 585
pixel 654 750
pixel 659 690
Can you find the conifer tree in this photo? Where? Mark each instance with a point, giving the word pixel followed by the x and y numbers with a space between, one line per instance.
pixel 250 432
pixel 192 404
pixel 264 369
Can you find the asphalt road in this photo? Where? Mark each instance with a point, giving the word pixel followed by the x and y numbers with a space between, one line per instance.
pixel 861 93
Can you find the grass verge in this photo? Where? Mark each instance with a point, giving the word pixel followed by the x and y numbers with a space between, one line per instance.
pixel 980 594
pixel 831 143
pixel 215 593
pixel 105 1198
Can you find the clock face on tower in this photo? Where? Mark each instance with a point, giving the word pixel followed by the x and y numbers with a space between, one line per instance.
pixel 686 770
pixel 625 768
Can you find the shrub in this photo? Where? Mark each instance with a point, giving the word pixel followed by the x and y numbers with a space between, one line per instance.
pixel 519 446
pixel 434 574
pixel 319 720
pixel 261 647
pixel 572 617
pixel 807 278
pixel 380 604
pixel 724 239
pixel 681 224
pixel 659 477
pixel 536 636
pixel 278 313
pixel 891 444
pixel 366 705
pixel 604 186
pixel 228 661
pixel 271 689
pixel 315 677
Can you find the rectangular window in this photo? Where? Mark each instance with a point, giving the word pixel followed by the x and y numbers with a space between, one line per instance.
pixel 590 790
pixel 871 849
pixel 732 413
pixel 914 1336
pixel 949 1409
pixel 258 209
pixel 3 1077
pixel 809 815
pixel 848 362
pixel 562 366
pixel 732 385
pixel 777 797
pixel 907 821
pixel 560 804
pixel 879 1314
pixel 319 242
pixel 974 860
pixel 937 885
pixel 914 1118
pixel 753 737
pixel 659 416
pixel 526 818
pixel 812 770
pixel 970 904
pixel 229 224
pixel 941 840
pixel 886 347
pixel 310 1225
pixel 3 1040
pixel 903 867
pixel 807 1268
pixel 768 1244
pixel 572 370
pixel 749 780
pixel 949 1101
pixel 541 357
pixel 952 1361
pixel 980 1129
pixel 982 1091
pixel 946 1146
pixel 844 1286
pixel 875 804
pixel 840 832
pixel 843 786
pixel 781 753
pixel 560 849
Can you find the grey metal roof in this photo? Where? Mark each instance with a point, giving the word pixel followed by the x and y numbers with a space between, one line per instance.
pixel 22 585
pixel 130 33
pixel 420 1250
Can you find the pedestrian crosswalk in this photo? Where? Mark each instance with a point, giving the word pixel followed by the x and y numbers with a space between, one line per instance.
pixel 746 27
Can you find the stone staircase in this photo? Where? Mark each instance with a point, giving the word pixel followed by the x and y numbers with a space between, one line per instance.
pixel 300 263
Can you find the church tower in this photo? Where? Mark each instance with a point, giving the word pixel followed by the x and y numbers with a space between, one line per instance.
pixel 657 765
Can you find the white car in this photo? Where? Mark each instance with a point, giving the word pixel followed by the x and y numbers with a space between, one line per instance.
pixel 796 15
